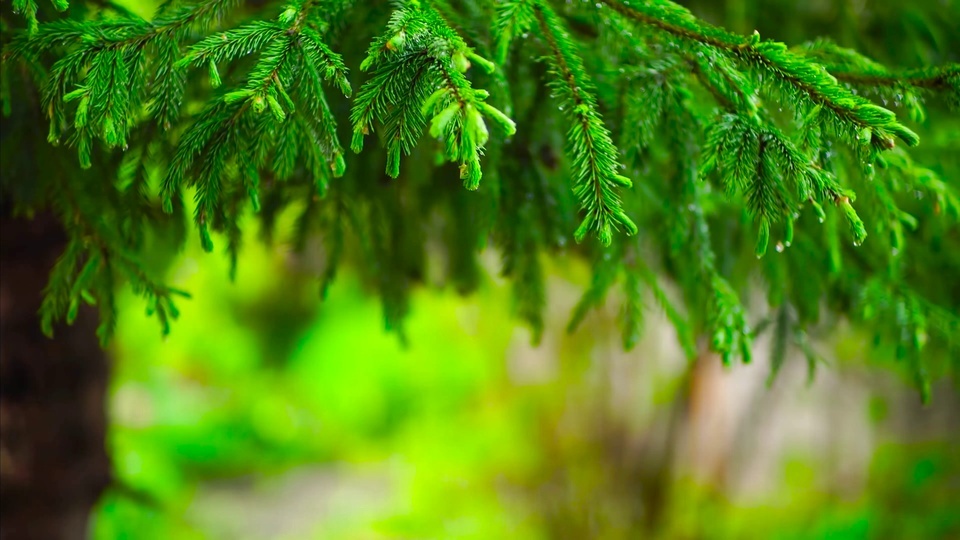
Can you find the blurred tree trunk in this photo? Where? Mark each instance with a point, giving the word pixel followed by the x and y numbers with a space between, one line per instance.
pixel 53 460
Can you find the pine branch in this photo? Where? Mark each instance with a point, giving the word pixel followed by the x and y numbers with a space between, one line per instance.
pixel 513 17
pixel 108 64
pixel 945 78
pixel 605 269
pixel 29 10
pixel 800 78
pixel 119 34
pixel 595 158
pixel 722 316
pixel 849 66
pixel 648 93
pixel 229 45
pixel 292 52
pixel 418 65
pixel 94 262
pixel 656 73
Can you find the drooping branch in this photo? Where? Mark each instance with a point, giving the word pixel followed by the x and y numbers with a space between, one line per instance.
pixel 799 76
pixel 595 159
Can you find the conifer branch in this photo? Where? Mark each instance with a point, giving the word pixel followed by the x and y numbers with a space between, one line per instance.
pixel 849 66
pixel 902 87
pixel 271 133
pixel 946 78
pixel 292 52
pixel 225 46
pixel 726 84
pixel 119 34
pixel 107 62
pixel 595 158
pixel 804 79
pixel 95 260
pixel 418 65
pixel 647 95
pixel 634 266
pixel 513 17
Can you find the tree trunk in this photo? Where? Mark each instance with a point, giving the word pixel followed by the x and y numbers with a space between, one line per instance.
pixel 53 460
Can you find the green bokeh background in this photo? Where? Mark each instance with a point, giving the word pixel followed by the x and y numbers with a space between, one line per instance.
pixel 268 414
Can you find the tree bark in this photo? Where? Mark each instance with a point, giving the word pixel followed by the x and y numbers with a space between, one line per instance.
pixel 53 460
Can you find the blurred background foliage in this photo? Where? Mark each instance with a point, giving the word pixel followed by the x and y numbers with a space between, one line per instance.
pixel 267 414
pixel 270 414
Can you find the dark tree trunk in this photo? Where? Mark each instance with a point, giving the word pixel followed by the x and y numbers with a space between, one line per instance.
pixel 53 460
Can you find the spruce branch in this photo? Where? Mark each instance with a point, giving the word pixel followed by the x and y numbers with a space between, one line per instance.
pixel 229 45
pixel 757 159
pixel 418 67
pixel 596 162
pixel 29 10
pixel 95 260
pixel 292 53
pixel 685 334
pixel 106 63
pixel 849 66
pixel 728 86
pixel 513 17
pixel 723 316
pixel 800 78
pixel 606 265
pixel 649 92
pixel 906 320
pixel 121 33
pixel 639 73
pixel 937 79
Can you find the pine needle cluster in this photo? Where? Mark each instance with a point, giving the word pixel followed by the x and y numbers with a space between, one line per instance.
pixel 672 152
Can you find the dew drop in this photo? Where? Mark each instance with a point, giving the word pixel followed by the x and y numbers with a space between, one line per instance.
pixel 779 247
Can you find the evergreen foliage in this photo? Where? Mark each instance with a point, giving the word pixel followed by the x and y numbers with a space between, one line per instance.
pixel 689 151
